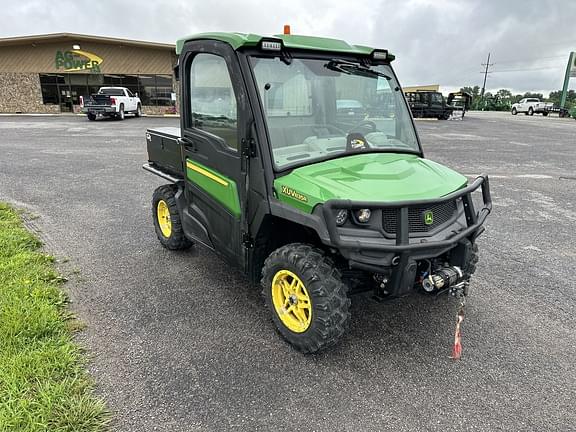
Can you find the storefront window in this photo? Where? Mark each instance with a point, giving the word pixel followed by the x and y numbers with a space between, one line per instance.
pixel 147 86
pixel 131 83
pixel 50 94
pixel 163 90
pixel 65 89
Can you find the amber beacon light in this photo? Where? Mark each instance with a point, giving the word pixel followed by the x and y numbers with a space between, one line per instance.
pixel 286 29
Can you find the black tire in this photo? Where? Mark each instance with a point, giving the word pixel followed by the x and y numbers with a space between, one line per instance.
pixel 121 114
pixel 138 112
pixel 545 114
pixel 531 111
pixel 175 240
pixel 514 111
pixel 470 267
pixel 91 116
pixel 330 304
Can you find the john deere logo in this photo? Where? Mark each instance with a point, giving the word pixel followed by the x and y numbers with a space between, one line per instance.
pixel 77 60
pixel 428 217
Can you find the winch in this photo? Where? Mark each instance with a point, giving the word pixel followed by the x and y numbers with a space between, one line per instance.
pixel 443 278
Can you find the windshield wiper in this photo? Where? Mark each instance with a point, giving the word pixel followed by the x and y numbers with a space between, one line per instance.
pixel 350 68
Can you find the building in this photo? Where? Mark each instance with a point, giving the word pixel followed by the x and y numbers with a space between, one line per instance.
pixel 48 73
pixel 431 87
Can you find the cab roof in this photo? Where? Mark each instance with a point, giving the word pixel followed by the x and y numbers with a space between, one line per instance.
pixel 313 43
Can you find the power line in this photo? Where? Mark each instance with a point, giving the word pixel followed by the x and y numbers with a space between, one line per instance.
pixel 533 59
pixel 527 69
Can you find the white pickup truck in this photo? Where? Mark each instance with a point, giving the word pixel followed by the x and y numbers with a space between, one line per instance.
pixel 529 106
pixel 112 102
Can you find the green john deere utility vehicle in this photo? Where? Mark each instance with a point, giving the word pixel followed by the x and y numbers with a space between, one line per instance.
pixel 298 162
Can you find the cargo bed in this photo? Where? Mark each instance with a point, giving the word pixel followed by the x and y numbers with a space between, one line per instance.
pixel 165 153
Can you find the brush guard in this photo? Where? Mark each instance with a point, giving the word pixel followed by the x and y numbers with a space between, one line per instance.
pixel 405 247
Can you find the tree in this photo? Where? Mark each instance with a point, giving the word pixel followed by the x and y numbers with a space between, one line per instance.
pixel 534 95
pixel 556 96
pixel 504 94
pixel 475 92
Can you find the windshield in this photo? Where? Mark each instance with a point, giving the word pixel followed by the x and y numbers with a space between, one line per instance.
pixel 318 109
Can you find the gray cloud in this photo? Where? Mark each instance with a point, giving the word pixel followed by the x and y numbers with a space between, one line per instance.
pixel 436 41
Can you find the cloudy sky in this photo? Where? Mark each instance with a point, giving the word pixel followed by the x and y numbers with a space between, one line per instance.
pixel 435 41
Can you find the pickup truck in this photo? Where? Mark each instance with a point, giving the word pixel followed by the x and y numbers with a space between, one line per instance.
pixel 112 102
pixel 529 106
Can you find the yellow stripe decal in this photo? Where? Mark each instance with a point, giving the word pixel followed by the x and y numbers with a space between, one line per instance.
pixel 206 173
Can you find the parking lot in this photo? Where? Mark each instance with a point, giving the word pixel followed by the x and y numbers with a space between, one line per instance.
pixel 180 342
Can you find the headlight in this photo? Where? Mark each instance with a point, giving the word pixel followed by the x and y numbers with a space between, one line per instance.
pixel 363 215
pixel 341 217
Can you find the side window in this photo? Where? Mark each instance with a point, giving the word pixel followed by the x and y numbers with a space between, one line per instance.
pixel 130 94
pixel 436 98
pixel 212 98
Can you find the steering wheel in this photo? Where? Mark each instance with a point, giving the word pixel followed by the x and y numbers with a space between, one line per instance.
pixel 364 124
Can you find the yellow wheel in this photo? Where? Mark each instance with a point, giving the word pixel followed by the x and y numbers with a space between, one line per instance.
pixel 167 223
pixel 306 297
pixel 163 215
pixel 291 301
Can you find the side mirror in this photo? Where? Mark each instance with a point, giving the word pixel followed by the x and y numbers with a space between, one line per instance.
pixel 136 94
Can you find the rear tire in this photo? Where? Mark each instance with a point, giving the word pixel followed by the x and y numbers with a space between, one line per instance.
pixel 121 114
pixel 91 116
pixel 531 111
pixel 545 114
pixel 167 222
pixel 306 297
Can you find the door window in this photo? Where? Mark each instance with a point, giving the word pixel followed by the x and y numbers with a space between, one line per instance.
pixel 436 98
pixel 212 99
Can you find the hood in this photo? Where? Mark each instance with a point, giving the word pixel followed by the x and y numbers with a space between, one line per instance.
pixel 378 177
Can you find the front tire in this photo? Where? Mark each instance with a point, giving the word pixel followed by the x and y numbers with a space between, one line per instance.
pixel 167 222
pixel 138 112
pixel 306 297
pixel 514 111
pixel 91 116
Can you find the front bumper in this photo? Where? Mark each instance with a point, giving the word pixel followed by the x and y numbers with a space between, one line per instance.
pixel 397 258
pixel 372 253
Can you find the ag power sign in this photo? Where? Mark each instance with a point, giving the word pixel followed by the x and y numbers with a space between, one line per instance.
pixel 77 60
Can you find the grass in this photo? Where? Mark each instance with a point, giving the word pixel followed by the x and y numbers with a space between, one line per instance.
pixel 43 383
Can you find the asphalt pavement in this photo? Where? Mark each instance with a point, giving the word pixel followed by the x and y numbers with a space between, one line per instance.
pixel 178 341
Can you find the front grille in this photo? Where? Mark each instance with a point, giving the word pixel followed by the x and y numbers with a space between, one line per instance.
pixel 442 213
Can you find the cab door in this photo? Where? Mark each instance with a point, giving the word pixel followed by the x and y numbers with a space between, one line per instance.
pixel 436 104
pixel 132 105
pixel 214 118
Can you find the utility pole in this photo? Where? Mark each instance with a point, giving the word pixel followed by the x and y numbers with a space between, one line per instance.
pixel 486 72
pixel 487 64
